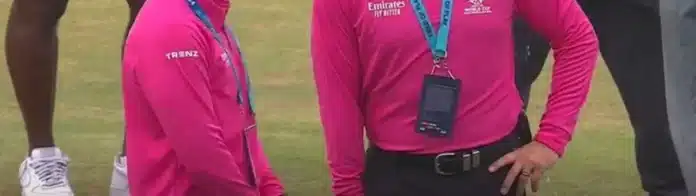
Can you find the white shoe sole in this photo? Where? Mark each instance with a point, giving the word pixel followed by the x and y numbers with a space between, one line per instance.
pixel 22 193
pixel 118 192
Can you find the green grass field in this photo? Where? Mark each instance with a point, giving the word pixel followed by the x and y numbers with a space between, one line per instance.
pixel 274 36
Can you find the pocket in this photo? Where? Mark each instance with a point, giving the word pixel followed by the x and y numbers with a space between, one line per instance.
pixel 380 177
pixel 490 183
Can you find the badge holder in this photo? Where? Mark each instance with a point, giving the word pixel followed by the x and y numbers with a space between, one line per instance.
pixel 439 101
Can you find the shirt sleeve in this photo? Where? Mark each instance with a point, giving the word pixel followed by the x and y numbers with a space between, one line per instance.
pixel 171 72
pixel 337 75
pixel 269 183
pixel 575 49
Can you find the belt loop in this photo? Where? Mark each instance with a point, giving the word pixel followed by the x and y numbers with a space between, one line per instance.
pixel 476 159
pixel 466 162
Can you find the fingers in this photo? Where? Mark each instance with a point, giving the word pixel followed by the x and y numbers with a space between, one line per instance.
pixel 521 189
pixel 511 177
pixel 503 161
pixel 523 180
pixel 536 179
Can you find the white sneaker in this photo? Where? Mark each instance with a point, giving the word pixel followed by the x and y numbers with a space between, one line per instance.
pixel 45 173
pixel 119 178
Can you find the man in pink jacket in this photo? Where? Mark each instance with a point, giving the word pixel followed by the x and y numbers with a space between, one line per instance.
pixel 189 118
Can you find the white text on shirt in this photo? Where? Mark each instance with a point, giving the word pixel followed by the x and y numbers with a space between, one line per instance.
pixel 384 9
pixel 182 54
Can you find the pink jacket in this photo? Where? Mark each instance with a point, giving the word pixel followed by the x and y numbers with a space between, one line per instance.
pixel 184 127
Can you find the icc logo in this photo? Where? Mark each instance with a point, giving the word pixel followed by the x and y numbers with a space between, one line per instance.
pixel 476 3
pixel 477 7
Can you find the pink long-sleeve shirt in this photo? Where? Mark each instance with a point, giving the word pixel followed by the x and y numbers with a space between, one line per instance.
pixel 184 126
pixel 370 56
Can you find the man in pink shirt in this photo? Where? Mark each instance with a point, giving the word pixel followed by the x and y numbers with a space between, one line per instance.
pixel 436 95
pixel 189 118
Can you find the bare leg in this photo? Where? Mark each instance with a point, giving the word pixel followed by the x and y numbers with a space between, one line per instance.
pixel 31 48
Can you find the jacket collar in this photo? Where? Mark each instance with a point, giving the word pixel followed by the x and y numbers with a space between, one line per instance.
pixel 216 10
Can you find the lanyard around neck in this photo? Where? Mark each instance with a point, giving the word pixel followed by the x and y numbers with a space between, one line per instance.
pixel 193 4
pixel 436 42
pixel 204 18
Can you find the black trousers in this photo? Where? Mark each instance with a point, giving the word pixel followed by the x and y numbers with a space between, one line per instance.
pixel 630 41
pixel 389 173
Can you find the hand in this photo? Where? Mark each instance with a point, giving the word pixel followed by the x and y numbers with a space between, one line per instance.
pixel 529 164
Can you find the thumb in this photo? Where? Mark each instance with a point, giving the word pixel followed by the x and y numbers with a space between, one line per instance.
pixel 503 161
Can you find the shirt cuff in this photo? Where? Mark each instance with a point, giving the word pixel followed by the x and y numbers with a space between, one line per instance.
pixel 554 140
pixel 348 188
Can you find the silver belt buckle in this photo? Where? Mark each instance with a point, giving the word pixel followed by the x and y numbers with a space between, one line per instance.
pixel 438 170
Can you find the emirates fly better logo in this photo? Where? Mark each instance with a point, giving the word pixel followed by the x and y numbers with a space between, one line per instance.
pixel 386 8
pixel 477 7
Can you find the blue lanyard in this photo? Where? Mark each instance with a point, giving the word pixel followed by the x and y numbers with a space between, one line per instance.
pixel 204 18
pixel 250 91
pixel 437 43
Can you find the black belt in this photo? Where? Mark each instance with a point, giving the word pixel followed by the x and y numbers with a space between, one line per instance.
pixel 460 161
